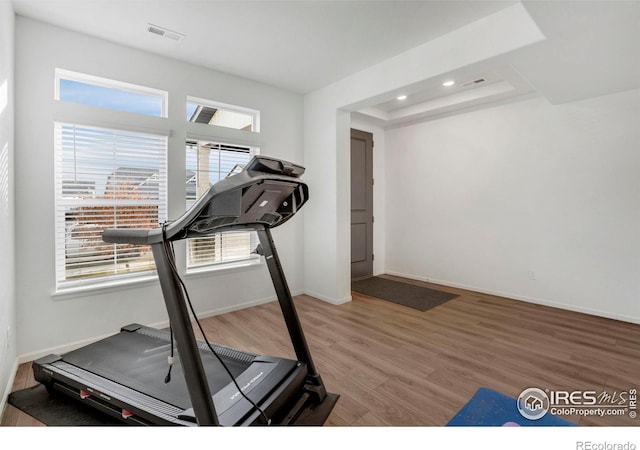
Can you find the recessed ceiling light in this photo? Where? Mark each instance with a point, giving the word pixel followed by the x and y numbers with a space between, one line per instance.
pixel 448 83
pixel 401 97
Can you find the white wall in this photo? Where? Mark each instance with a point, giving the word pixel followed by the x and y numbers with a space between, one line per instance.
pixel 326 133
pixel 525 200
pixel 47 322
pixel 8 355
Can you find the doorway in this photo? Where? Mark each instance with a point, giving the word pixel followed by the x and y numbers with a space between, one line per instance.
pixel 361 205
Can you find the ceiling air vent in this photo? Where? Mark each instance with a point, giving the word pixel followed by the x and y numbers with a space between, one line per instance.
pixel 173 35
pixel 472 82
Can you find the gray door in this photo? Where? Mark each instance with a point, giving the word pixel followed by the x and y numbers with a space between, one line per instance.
pixel 361 204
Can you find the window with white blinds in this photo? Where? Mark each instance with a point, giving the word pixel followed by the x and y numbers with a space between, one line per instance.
pixel 105 178
pixel 206 164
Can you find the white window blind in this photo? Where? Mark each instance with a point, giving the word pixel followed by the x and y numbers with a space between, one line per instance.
pixel 105 178
pixel 207 163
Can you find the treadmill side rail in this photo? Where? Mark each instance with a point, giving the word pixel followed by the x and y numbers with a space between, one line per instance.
pixel 104 395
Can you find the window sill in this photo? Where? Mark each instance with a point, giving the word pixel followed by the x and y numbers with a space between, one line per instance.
pixel 105 287
pixel 72 292
pixel 222 268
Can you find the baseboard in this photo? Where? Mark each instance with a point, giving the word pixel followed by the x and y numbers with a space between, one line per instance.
pixel 227 309
pixel 8 388
pixel 408 275
pixel 162 324
pixel 523 298
pixel 324 298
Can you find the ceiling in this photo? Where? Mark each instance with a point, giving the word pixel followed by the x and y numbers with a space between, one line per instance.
pixel 472 88
pixel 297 45
pixel 591 47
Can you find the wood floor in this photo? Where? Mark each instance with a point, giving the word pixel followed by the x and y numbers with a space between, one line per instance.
pixel 395 366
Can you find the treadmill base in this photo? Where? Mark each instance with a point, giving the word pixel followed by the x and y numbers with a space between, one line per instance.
pixel 317 414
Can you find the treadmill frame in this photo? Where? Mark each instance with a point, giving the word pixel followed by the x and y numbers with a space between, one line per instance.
pixel 222 209
pixel 195 376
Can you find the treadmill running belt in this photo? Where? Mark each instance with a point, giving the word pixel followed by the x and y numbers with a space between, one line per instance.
pixel 140 362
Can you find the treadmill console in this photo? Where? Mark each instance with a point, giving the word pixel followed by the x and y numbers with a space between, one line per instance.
pixel 265 193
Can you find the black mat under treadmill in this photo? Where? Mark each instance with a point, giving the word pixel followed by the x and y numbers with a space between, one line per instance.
pixel 132 365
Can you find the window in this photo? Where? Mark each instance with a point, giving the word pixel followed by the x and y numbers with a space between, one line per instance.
pixel 95 91
pixel 105 178
pixel 111 172
pixel 207 163
pixel 222 115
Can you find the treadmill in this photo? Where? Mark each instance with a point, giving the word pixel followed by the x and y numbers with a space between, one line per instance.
pixel 124 374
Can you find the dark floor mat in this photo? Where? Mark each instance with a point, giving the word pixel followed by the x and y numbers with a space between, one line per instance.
pixel 58 410
pixel 410 295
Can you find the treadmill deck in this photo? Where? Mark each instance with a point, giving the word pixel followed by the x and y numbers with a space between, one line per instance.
pixel 130 368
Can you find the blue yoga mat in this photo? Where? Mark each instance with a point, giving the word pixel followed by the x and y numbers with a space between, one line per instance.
pixel 488 408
